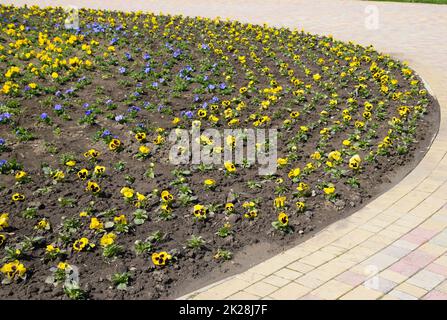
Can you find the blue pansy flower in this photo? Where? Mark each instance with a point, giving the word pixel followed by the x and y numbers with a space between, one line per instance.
pixel 188 114
pixel 128 56
pixel 105 133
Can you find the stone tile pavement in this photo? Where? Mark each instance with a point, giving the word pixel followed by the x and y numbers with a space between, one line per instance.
pixel 396 246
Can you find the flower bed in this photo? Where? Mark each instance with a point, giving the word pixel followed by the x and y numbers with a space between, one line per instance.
pixel 92 206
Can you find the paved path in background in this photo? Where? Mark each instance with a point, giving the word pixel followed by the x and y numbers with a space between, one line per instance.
pixel 401 237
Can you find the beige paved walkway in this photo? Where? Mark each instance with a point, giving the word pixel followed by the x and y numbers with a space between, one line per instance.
pixel 395 247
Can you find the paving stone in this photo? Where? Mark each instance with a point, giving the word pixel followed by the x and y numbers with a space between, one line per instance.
pixel 442 287
pixel 401 295
pixel 432 249
pixel 404 268
pixel 362 293
pixel 352 278
pixel 437 268
pixel 310 297
pixel 317 258
pixel 395 251
pixel 418 258
pixel 261 289
pixel 440 239
pixel 300 267
pixel 359 254
pixel 276 281
pixel 442 260
pixel 288 274
pixel 388 297
pixel 435 295
pixel 250 276
pixel 353 238
pixel 393 276
pixel 228 288
pixel 426 279
pixel 410 289
pixel 332 290
pixel 242 295
pixel 290 291
pixel 309 281
pixel 380 261
pixel 405 244
pixel 207 296
pixel 334 250
pixel 384 285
